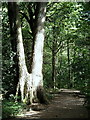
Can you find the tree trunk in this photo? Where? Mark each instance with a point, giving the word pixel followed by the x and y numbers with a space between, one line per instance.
pixel 60 70
pixel 31 85
pixel 53 65
pixel 24 82
pixel 24 77
pixel 37 76
pixel 68 55
pixel 13 41
pixel 54 48
pixel 32 20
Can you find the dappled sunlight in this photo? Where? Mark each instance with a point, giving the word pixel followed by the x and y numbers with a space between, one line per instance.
pixel 70 90
pixel 62 106
pixel 31 112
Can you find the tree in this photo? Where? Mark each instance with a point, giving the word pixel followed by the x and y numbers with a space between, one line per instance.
pixel 37 76
pixel 31 16
pixel 12 20
pixel 15 26
pixel 31 85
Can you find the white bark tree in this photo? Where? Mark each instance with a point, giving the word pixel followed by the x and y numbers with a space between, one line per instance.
pixel 31 85
pixel 37 76
pixel 24 83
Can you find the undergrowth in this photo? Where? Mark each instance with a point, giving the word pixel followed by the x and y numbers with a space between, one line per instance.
pixel 11 108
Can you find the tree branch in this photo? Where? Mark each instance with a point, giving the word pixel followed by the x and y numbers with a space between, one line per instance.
pixel 26 17
pixel 60 46
pixel 49 46
pixel 31 21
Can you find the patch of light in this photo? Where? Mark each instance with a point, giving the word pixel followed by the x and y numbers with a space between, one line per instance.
pixel 43 19
pixel 73 28
pixel 31 113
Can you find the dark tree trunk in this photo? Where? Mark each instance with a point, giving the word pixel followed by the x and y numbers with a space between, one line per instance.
pixel 60 70
pixel 68 55
pixel 54 49
pixel 53 65
pixel 12 22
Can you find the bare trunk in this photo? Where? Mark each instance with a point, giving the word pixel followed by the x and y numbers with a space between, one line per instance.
pixel 37 76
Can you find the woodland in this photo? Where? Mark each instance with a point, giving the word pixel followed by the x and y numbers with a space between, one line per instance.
pixel 45 48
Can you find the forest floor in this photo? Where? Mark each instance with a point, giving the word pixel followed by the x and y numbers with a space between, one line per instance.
pixel 65 104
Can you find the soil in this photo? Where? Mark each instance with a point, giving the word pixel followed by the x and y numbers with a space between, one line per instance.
pixel 66 104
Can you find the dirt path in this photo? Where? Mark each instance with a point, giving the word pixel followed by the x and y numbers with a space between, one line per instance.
pixel 66 104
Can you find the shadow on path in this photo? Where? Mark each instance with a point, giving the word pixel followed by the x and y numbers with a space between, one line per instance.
pixel 66 105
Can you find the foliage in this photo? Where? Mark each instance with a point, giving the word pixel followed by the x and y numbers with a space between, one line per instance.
pixel 11 108
pixel 8 72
